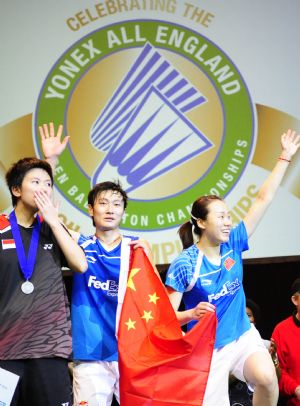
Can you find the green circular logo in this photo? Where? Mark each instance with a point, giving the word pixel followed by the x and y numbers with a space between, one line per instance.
pixel 154 105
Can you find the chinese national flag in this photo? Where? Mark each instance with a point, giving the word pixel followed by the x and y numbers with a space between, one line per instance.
pixel 159 366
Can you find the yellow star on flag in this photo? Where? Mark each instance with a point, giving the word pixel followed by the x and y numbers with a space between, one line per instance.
pixel 130 324
pixel 130 282
pixel 147 316
pixel 153 298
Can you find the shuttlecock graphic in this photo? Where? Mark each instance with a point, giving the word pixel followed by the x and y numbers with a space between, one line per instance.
pixel 143 129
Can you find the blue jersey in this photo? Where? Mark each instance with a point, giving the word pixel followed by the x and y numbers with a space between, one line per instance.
pixel 220 285
pixel 94 303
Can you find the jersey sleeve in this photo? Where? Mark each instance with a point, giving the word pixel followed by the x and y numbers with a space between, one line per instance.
pixel 180 273
pixel 86 242
pixel 239 237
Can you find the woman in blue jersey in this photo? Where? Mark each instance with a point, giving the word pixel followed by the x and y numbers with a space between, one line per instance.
pixel 208 276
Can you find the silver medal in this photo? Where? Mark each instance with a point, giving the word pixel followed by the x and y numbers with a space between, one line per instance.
pixel 27 287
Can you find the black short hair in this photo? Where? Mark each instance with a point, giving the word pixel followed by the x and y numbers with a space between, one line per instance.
pixel 295 288
pixel 16 173
pixel 255 310
pixel 103 187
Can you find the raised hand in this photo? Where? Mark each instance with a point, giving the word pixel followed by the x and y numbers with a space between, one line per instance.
pixel 290 142
pixel 52 145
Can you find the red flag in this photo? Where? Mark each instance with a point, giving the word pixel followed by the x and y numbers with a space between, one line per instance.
pixel 158 365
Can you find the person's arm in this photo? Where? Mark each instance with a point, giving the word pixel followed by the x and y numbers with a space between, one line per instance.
pixel 52 145
pixel 74 234
pixel 72 252
pixel 290 143
pixel 287 384
pixel 273 352
pixel 185 316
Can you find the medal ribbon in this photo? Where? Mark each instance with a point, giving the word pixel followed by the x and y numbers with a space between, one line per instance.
pixel 26 264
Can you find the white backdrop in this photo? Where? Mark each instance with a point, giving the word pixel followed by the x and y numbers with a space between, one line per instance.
pixel 260 37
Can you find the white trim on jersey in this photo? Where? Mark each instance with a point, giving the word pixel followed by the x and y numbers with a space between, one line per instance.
pixel 124 269
pixel 196 272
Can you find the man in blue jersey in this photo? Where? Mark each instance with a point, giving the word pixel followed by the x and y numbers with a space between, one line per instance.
pixel 98 297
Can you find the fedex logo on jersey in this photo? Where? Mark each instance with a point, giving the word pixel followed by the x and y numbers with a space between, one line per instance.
pixel 110 286
pixel 229 288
